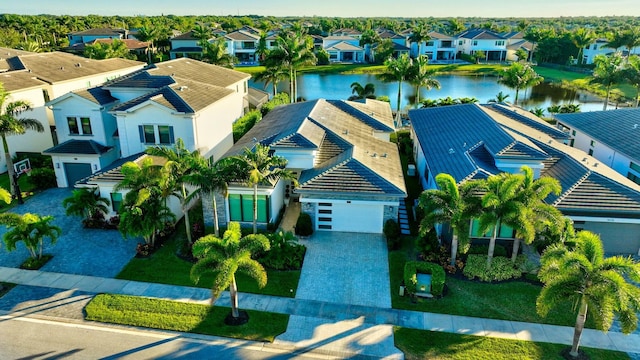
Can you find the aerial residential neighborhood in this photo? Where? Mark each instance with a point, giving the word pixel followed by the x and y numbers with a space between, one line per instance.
pixel 359 186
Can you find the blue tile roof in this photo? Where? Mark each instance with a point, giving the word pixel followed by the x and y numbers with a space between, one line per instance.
pixel 83 147
pixel 538 125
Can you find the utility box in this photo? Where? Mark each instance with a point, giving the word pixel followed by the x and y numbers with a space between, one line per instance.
pixel 411 170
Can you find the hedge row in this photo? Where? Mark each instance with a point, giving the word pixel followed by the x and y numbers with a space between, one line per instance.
pixel 412 268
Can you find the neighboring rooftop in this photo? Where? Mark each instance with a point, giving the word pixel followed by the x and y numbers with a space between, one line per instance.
pixel 80 147
pixel 618 129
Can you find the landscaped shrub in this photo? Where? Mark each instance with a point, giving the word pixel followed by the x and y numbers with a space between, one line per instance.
pixel 323 57
pixel 37 160
pixel 392 233
pixel 405 144
pixel 501 268
pixel 430 249
pixel 280 99
pixel 285 252
pixel 245 123
pixel 42 178
pixel 304 226
pixel 412 268
pixel 499 250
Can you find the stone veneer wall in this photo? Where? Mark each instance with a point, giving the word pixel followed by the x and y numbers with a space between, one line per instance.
pixel 207 209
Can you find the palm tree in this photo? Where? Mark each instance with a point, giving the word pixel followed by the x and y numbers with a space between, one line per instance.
pixel 32 229
pixel 216 53
pixel 453 204
pixel 632 74
pixel 368 38
pixel 628 38
pixel 255 167
pixel 539 213
pixel 419 34
pixel 586 279
pixel 538 111
pixel 363 92
pixel 519 76
pixel 422 77
pixel 202 33
pixel 11 124
pixel 294 50
pixel 209 180
pixel 224 257
pixel 608 71
pixel 397 70
pixel 150 34
pixel 582 37
pixel 180 163
pixel 86 203
pixel 502 204
pixel 272 74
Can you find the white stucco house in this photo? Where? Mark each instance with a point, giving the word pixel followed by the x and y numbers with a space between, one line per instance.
pixel 349 173
pixel 181 98
pixel 610 137
pixel 475 141
pixel 492 44
pixel 343 48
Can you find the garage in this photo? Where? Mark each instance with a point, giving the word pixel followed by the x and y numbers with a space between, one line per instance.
pixel 76 171
pixel 349 216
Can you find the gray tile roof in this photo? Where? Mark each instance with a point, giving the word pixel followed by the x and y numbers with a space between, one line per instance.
pixel 140 80
pixel 528 119
pixel 198 71
pixel 480 34
pixel 100 31
pixel 350 159
pixel 618 129
pixel 19 80
pixel 97 95
pixel 344 46
pixel 80 147
pixel 240 35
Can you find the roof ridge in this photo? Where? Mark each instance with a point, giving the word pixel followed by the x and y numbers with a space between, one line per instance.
pixel 573 187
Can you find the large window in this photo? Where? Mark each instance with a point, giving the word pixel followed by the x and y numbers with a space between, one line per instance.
pixel 500 43
pixel 156 134
pixel 634 178
pixel 116 201
pixel 504 231
pixel 634 166
pixel 241 208
pixel 79 126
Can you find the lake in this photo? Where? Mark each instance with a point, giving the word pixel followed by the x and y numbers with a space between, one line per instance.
pixel 482 87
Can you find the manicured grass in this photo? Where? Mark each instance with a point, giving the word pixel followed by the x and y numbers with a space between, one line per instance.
pixel 512 300
pixel 35 263
pixel 25 187
pixel 167 268
pixel 556 75
pixel 422 344
pixel 177 316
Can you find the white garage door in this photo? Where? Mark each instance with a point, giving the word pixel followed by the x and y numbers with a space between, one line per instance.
pixel 349 217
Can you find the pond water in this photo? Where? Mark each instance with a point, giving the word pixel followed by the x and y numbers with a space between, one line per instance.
pixel 482 87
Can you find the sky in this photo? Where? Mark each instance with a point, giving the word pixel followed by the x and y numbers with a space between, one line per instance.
pixel 332 8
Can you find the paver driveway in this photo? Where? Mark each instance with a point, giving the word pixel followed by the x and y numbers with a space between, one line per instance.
pixel 78 250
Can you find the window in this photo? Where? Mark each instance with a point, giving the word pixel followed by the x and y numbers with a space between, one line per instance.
pixel 116 201
pixel 156 134
pixel 324 227
pixel 500 43
pixel 460 42
pixel 241 208
pixel 634 178
pixel 573 133
pixel 474 43
pixel 83 127
pixel 273 43
pixel 325 211
pixel 592 143
pixel 590 152
pixel 429 43
pixel 248 45
pixel 504 231
pixel 325 204
pixel 634 166
pixel 324 219
pixel 45 95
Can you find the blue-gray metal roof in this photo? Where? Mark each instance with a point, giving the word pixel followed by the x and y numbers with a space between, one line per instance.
pixel 618 129
pixel 82 147
pixel 538 125
pixel 141 79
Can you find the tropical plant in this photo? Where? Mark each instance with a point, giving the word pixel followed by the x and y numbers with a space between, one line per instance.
pixel 594 284
pixel 209 180
pixel 202 33
pixel 537 111
pixel 628 38
pixel 522 54
pixel 227 255
pixel 479 55
pixel 582 37
pixel 32 229
pixel 215 52
pixel 397 70
pixel 12 124
pixel 150 34
pixel 85 202
pixel 632 75
pixel 608 72
pixel 419 34
pixel 294 50
pixel 254 167
pixel 519 76
pixel 450 204
pixel 272 75
pixel 107 50
pixel 421 77
pixel 362 92
pixel 180 164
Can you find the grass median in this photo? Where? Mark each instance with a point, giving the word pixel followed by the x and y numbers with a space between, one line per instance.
pixel 185 317
pixel 422 344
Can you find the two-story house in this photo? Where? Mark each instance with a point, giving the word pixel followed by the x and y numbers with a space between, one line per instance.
pixel 243 45
pixel 349 173
pixel 492 44
pixel 516 42
pixel 599 47
pixel 181 98
pixel 438 48
pixel 87 36
pixel 343 49
pixel 185 45
pixel 476 141
pixel 610 137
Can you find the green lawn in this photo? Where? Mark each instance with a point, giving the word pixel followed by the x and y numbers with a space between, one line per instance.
pixel 556 75
pixel 462 69
pixel 422 344
pixel 25 187
pixel 177 316
pixel 513 300
pixel 167 268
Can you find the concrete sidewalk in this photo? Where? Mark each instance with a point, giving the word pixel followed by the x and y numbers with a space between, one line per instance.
pixel 352 317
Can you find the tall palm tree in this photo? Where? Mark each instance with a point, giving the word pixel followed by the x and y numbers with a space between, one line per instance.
pixel 294 50
pixel 12 124
pixel 453 204
pixel 502 204
pixel 628 38
pixel 419 34
pixel 422 77
pixel 608 72
pixel 397 70
pixel 216 53
pixel 500 98
pixel 202 33
pixel 363 92
pixel 519 76
pixel 32 229
pixel 227 255
pixel 209 180
pixel 586 279
pixel 368 38
pixel 256 167
pixel 582 37
pixel 150 34
pixel 272 75
pixel 539 213
pixel 180 163
pixel 632 75
pixel 86 203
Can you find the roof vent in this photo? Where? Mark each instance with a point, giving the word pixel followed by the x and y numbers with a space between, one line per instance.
pixel 182 88
pixel 595 165
pixel 384 155
pixel 61 67
pixel 635 126
pixel 451 151
pixel 374 155
pixel 78 65
pixel 345 131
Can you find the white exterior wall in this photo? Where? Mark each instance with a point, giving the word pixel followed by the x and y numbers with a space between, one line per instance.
pixel 59 161
pixel 298 158
pixel 75 107
pixel 483 44
pixel 63 87
pixel 421 164
pixel 276 194
pixel 213 125
pixel 184 43
pixel 106 188
pixel 152 114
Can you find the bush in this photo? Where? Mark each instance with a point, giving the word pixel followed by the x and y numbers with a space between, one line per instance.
pixel 37 160
pixel 304 226
pixel 430 249
pixel 412 268
pixel 280 99
pixel 245 123
pixel 468 58
pixel 323 57
pixel 285 253
pixel 501 268
pixel 42 178
pixel 499 250
pixel 392 233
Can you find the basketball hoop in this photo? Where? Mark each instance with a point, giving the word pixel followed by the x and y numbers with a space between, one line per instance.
pixel 27 172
